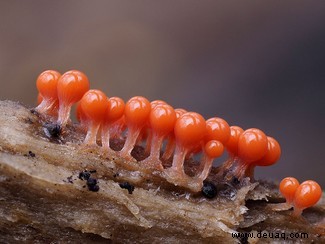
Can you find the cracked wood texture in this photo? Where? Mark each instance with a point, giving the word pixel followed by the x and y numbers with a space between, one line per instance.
pixel 43 199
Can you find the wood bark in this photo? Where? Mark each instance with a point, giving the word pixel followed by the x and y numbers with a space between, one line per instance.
pixel 43 197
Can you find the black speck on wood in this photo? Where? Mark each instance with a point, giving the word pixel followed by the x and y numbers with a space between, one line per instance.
pixel 128 186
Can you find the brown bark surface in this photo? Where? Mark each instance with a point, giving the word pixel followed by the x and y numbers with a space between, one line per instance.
pixel 42 197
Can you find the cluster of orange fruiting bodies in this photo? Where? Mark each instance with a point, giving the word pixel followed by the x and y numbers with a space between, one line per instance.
pixel 300 196
pixel 168 133
pixel 185 133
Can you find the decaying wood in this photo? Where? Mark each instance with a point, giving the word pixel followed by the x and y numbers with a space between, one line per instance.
pixel 42 197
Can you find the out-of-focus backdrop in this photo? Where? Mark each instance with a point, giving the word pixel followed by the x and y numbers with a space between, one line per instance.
pixel 254 63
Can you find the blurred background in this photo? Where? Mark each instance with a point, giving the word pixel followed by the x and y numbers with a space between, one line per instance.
pixel 253 63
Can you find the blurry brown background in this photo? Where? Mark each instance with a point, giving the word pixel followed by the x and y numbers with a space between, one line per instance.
pixel 254 63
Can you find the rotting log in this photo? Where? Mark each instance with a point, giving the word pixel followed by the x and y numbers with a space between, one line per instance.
pixel 44 198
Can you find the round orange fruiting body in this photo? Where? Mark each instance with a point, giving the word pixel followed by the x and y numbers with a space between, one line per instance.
pixel 137 110
pixel 116 109
pixel 94 104
pixel 307 194
pixel 72 85
pixel 112 127
pixel 179 112
pixel 154 103
pixel 288 187
pixel 136 113
pixel 273 153
pixel 232 143
pixel 190 129
pixel 162 119
pixel 213 149
pixel 81 117
pixel 252 145
pixel 217 129
pixel 46 84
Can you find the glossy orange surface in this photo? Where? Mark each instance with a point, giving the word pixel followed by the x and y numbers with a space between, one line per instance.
pixel 288 187
pixel 154 103
pixel 116 109
pixel 252 145
pixel 79 113
pixel 72 85
pixel 232 143
pixel 137 111
pixel 162 119
pixel 213 149
pixel 307 194
pixel 217 129
pixel 47 84
pixel 273 153
pixel 94 104
pixel 190 129
pixel 179 112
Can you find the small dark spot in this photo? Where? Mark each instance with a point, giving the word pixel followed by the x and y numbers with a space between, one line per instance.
pixel 31 154
pixel 235 181
pixel 92 184
pixel 91 181
pixel 29 121
pixel 70 179
pixel 84 175
pixel 116 175
pixel 94 188
pixel 128 186
pixel 93 171
pixel 54 130
pixel 33 111
pixel 209 190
